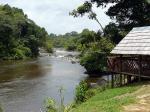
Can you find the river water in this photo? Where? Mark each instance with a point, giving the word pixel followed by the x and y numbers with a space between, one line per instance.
pixel 25 84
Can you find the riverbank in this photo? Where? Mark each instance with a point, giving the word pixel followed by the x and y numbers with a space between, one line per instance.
pixel 25 84
pixel 131 98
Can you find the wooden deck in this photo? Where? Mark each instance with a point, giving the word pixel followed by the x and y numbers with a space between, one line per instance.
pixel 126 68
pixel 137 66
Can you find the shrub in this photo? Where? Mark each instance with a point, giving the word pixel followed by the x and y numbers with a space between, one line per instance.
pixel 81 90
pixel 94 55
pixel 1 110
pixel 48 46
pixel 50 105
pixel 21 52
pixel 26 51
pixel 18 54
pixel 90 93
pixel 94 61
pixel 71 47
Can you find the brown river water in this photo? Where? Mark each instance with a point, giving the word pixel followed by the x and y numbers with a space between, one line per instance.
pixel 24 85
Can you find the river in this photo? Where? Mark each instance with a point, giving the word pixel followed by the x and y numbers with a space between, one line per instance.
pixel 25 84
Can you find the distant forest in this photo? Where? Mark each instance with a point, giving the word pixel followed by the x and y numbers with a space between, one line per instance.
pixel 20 37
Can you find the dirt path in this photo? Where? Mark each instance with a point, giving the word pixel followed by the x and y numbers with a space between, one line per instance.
pixel 143 100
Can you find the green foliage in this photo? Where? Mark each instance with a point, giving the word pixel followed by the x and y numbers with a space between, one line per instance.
pixel 90 93
pixel 1 110
pixel 84 92
pixel 81 90
pixel 70 47
pixel 108 100
pixel 21 52
pixel 94 53
pixel 137 12
pixel 91 63
pixel 18 54
pixel 127 14
pixel 93 91
pixel 82 9
pixel 87 37
pixel 86 8
pixel 93 46
pixel 50 104
pixel 70 44
pixel 48 45
pixel 20 37
pixel 67 41
pixel 113 33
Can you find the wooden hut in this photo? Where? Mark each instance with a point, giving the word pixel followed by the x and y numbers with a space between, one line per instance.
pixel 131 56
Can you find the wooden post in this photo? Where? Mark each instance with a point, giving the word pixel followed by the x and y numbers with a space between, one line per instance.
pixel 140 67
pixel 128 78
pixel 108 80
pixel 112 80
pixel 124 79
pixel 120 70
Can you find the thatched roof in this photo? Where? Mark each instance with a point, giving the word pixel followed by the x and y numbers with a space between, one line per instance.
pixel 136 42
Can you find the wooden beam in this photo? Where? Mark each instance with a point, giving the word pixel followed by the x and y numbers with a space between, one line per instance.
pixel 112 80
pixel 129 78
pixel 140 67
pixel 142 75
pixel 108 80
pixel 124 79
pixel 120 70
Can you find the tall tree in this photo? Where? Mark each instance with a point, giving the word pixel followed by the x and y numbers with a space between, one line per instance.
pixel 127 13
pixel 87 8
pixel 113 33
pixel 20 37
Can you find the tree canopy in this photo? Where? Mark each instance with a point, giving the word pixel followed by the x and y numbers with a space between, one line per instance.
pixel 86 8
pixel 127 13
pixel 67 41
pixel 19 36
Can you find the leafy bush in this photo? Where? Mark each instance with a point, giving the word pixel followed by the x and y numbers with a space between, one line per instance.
pixel 19 36
pixel 84 92
pixel 81 90
pixel 1 110
pixel 70 47
pixel 90 93
pixel 94 61
pixel 26 51
pixel 49 46
pixel 50 104
pixel 18 54
pixel 21 52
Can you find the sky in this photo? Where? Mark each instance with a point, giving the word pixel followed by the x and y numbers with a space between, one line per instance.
pixel 53 15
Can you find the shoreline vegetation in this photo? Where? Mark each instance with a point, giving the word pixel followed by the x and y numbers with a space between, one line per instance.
pixel 20 37
pixel 24 38
pixel 107 99
pixel 101 98
pixel 91 45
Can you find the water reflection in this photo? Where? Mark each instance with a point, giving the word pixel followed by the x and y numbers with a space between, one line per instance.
pixel 11 70
pixel 25 84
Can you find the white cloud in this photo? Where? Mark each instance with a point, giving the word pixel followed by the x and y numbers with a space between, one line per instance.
pixel 53 15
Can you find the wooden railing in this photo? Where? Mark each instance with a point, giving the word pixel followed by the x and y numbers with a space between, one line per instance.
pixel 129 65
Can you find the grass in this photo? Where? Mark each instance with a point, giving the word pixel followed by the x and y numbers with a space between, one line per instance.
pixel 108 100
